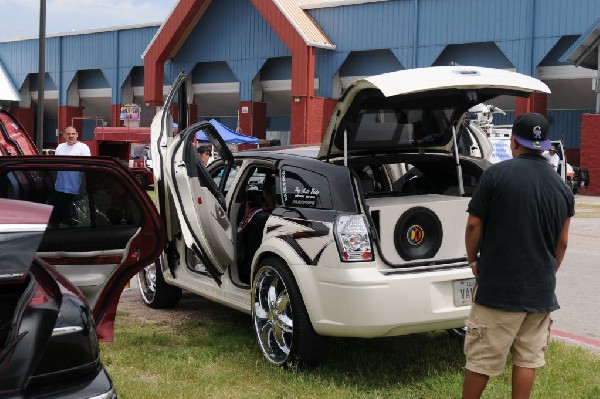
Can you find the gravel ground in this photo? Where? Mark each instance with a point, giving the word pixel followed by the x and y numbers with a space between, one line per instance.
pixel 190 307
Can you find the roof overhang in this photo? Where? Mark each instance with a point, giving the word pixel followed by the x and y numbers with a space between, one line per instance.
pixel 584 52
pixel 7 89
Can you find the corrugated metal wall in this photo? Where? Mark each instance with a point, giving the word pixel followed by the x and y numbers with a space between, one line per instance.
pixel 17 61
pixel 418 30
pixel 113 52
pixel 565 124
pixel 232 31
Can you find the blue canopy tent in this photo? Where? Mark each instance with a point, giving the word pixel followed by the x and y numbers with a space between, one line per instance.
pixel 228 135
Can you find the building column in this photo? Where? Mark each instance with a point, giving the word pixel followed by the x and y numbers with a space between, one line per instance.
pixel 310 117
pixel 26 117
pixel 253 119
pixel 536 102
pixel 192 114
pixel 320 110
pixel 589 154
pixel 115 115
pixel 65 118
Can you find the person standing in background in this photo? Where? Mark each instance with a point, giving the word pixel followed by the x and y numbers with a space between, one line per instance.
pixel 552 157
pixel 204 154
pixel 68 183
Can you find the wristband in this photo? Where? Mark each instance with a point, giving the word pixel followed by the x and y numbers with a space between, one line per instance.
pixel 472 264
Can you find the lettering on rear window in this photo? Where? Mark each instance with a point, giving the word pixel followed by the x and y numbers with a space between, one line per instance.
pixel 305 189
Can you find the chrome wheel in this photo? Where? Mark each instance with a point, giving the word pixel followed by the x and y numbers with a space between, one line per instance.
pixel 155 292
pixel 458 332
pixel 281 324
pixel 273 317
pixel 147 283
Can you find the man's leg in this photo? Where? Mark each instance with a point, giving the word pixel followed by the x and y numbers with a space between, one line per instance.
pixel 522 381
pixel 528 352
pixel 474 384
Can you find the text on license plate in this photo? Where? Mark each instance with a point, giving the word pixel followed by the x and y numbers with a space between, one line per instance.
pixel 463 291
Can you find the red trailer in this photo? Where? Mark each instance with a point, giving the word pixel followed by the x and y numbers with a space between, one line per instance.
pixel 130 146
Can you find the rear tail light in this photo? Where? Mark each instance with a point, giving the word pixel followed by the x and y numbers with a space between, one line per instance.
pixel 352 236
pixel 40 297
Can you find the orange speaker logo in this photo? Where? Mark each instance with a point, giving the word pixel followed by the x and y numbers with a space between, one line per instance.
pixel 415 234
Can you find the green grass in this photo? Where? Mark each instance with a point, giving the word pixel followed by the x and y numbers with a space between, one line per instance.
pixel 152 195
pixel 216 356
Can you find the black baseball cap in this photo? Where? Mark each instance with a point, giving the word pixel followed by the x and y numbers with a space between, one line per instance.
pixel 531 131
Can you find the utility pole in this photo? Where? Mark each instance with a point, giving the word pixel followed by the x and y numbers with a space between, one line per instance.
pixel 39 142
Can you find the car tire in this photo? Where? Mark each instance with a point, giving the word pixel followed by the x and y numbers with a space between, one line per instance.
pixel 155 292
pixel 283 329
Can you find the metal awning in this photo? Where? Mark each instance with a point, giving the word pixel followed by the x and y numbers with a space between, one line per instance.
pixel 584 52
pixel 7 89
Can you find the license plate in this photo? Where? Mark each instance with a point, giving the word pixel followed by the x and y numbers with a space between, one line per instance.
pixel 463 291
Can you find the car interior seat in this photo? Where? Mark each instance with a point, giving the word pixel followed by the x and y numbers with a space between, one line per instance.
pixel 250 235
pixel 366 181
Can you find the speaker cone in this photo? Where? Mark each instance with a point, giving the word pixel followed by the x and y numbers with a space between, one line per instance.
pixel 418 234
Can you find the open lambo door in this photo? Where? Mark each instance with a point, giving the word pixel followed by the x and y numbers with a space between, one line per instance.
pixel 200 203
pixel 98 237
pixel 184 188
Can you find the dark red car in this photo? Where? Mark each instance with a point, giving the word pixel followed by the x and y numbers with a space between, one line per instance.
pixel 60 279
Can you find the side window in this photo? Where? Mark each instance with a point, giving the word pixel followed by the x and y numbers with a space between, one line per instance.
pixel 79 199
pixel 256 182
pixel 304 189
pixel 218 176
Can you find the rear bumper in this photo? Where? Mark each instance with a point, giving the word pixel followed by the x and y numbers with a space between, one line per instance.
pixel 99 386
pixel 362 302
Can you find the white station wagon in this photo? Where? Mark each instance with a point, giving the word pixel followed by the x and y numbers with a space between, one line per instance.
pixel 363 236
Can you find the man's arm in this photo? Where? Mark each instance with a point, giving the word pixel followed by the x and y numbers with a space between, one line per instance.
pixel 473 234
pixel 563 240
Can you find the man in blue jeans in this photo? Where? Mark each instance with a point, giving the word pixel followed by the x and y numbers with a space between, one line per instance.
pixel 68 183
pixel 516 238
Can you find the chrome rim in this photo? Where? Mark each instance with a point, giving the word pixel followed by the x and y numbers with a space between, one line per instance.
pixel 272 316
pixel 459 331
pixel 147 282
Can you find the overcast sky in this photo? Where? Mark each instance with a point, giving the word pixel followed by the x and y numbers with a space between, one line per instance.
pixel 21 18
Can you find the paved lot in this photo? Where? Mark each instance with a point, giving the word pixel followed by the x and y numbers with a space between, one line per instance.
pixel 578 279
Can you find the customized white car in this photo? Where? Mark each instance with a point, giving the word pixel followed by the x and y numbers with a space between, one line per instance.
pixel 365 237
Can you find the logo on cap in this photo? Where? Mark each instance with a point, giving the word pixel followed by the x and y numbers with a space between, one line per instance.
pixel 537 132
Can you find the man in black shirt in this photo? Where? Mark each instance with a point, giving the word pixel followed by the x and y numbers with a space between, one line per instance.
pixel 516 238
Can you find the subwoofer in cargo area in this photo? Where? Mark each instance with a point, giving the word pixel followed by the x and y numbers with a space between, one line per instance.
pixel 421 227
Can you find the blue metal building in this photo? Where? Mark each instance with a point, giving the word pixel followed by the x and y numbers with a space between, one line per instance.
pixel 236 54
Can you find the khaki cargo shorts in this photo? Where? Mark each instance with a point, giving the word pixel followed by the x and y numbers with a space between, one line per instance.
pixel 492 333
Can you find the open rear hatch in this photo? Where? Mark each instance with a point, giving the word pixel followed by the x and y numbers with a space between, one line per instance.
pixel 28 308
pixel 414 109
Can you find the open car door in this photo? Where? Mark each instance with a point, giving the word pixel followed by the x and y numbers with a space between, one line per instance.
pixel 199 202
pixel 99 238
pixel 13 138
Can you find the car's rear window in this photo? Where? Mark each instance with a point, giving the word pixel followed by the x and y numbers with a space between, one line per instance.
pixel 376 128
pixel 302 188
